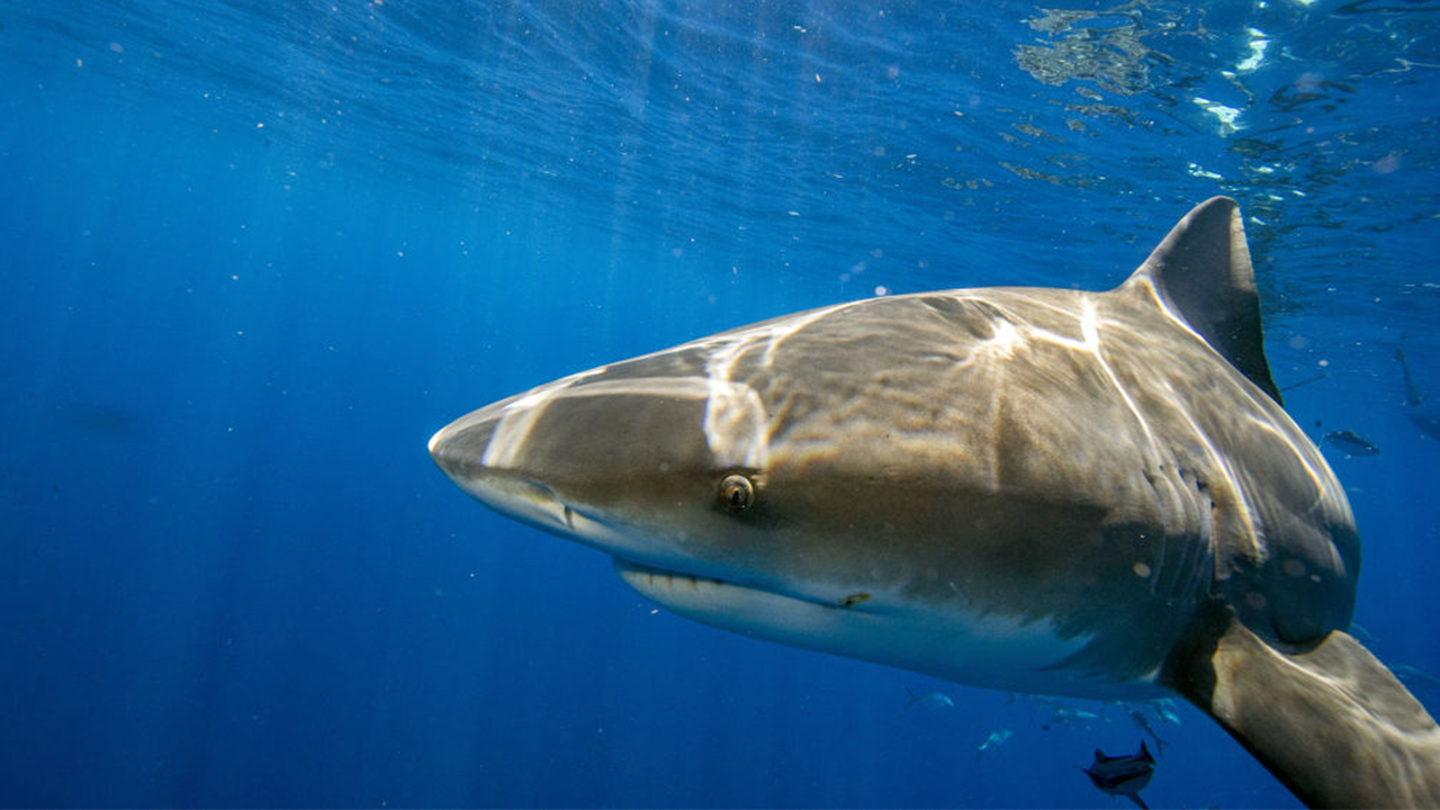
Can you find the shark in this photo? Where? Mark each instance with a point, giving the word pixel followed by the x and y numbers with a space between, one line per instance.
pixel 1042 490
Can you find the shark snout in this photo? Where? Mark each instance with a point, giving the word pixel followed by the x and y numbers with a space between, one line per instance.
pixel 458 449
pixel 625 458
pixel 462 451
pixel 466 451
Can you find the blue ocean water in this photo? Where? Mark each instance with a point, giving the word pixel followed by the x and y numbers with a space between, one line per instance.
pixel 254 254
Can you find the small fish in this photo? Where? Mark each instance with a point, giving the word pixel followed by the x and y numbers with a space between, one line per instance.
pixel 934 701
pixel 1165 710
pixel 1412 395
pixel 996 739
pixel 1138 715
pixel 1351 443
pixel 1122 776
pixel 1066 716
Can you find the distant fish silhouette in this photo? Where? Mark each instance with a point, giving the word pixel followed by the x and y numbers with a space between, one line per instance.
pixel 1411 674
pixel 1412 396
pixel 1359 631
pixel 1351 443
pixel 96 418
pixel 1123 776
pixel 1429 425
pixel 935 701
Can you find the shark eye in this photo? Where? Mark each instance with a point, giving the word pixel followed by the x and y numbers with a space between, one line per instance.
pixel 737 494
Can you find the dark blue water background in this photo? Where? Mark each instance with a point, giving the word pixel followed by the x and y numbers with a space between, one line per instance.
pixel 253 254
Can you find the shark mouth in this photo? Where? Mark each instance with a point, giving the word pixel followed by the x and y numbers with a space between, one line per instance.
pixel 684 592
pixel 633 573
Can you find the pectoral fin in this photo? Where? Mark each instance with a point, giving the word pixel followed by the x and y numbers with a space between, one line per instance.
pixel 1332 723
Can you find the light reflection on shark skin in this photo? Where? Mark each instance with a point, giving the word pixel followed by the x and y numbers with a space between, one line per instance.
pixel 1042 490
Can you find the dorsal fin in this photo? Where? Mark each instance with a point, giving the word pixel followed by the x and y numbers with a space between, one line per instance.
pixel 1202 273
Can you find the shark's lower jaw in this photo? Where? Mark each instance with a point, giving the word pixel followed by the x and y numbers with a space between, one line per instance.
pixel 692 593
pixel 829 626
pixel 877 627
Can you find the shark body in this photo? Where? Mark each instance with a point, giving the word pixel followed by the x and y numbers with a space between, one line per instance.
pixel 1031 489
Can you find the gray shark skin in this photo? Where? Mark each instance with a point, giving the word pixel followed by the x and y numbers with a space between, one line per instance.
pixel 1030 489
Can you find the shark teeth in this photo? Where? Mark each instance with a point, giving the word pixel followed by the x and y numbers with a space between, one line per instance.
pixel 667 579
